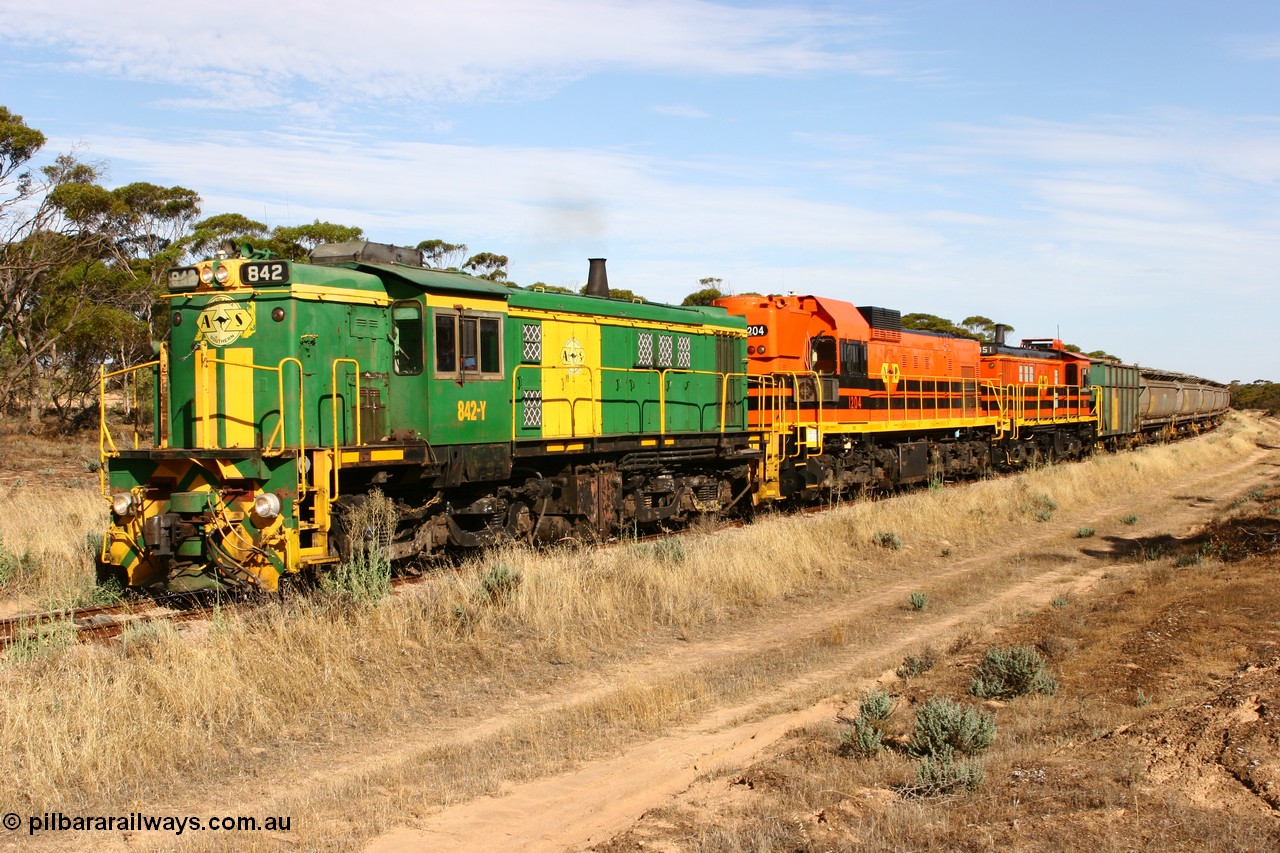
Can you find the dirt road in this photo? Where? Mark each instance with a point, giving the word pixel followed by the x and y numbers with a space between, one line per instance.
pixel 603 797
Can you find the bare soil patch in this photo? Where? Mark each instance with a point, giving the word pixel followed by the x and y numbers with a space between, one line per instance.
pixel 1065 760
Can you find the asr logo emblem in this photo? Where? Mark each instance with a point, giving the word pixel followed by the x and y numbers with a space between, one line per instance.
pixel 573 356
pixel 224 321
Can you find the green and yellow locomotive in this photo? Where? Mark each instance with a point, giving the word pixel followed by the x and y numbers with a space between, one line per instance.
pixel 286 392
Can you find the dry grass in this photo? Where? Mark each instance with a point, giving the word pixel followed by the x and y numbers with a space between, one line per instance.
pixel 1168 675
pixel 48 541
pixel 109 726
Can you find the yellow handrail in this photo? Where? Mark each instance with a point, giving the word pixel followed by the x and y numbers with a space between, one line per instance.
pixel 593 397
pixel 337 457
pixel 268 448
pixel 105 440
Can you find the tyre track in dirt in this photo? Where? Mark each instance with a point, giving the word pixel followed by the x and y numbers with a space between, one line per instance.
pixel 604 797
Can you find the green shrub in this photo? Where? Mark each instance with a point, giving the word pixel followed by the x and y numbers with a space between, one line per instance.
pixel 669 550
pixel 865 739
pixel 888 539
pixel 1043 507
pixel 944 728
pixel 938 776
pixel 365 576
pixel 1129 519
pixel 14 566
pixel 876 705
pixel 499 584
pixel 1084 532
pixel 919 600
pixel 917 662
pixel 1193 557
pixel 1012 672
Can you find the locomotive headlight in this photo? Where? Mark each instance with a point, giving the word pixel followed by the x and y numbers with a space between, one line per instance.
pixel 206 275
pixel 221 274
pixel 266 506
pixel 122 504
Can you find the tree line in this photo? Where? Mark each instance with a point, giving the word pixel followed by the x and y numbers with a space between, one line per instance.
pixel 1258 394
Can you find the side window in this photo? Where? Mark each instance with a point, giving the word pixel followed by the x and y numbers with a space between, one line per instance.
pixel 822 354
pixel 853 359
pixel 406 337
pixel 468 346
pixel 446 343
pixel 490 345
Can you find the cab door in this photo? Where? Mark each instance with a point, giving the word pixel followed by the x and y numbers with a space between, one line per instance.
pixel 468 397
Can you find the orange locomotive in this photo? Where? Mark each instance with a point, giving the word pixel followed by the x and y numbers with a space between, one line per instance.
pixel 846 398
pixel 1042 391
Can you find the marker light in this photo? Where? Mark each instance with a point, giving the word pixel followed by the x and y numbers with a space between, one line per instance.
pixel 266 505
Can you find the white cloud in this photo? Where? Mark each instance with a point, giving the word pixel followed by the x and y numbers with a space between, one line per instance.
pixel 245 54
pixel 1244 148
pixel 1116 198
pixel 1264 47
pixel 680 111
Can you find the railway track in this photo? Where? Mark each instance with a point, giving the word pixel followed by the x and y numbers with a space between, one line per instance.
pixel 95 624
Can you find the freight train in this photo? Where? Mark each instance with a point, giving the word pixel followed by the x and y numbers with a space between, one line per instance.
pixel 286 393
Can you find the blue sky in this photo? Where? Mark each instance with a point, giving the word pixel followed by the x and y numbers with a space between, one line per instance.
pixel 1109 171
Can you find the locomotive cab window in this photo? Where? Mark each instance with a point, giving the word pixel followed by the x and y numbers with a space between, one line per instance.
pixel 468 345
pixel 822 354
pixel 406 338
pixel 853 359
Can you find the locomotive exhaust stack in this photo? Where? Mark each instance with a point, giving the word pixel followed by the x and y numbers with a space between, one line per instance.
pixel 597 278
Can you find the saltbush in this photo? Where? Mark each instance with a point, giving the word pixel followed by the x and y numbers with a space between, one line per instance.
pixel 917 662
pixel 1012 672
pixel 944 728
pixel 888 539
pixel 876 705
pixel 938 776
pixel 865 739
pixel 499 584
